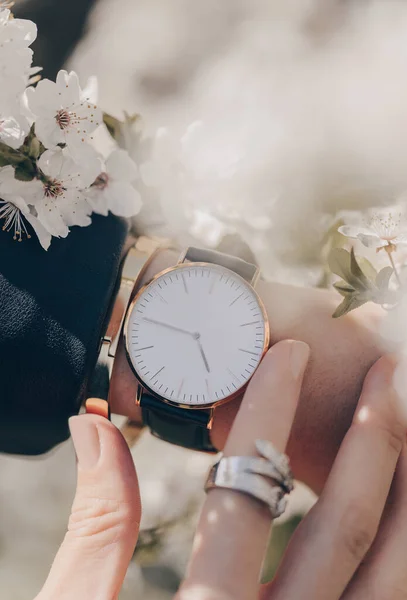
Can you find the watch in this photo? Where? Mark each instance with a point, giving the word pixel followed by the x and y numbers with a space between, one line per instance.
pixel 194 337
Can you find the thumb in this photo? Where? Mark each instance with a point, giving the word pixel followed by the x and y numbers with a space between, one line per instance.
pixel 104 522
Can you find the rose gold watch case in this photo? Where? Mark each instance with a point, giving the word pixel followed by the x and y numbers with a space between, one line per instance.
pixel 143 384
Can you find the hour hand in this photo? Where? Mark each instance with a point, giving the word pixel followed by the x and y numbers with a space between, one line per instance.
pixel 168 326
pixel 203 356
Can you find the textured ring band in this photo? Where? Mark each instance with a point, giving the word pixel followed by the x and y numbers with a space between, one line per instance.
pixel 267 479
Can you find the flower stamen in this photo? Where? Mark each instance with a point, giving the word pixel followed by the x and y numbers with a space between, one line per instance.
pixel 63 118
pixel 13 220
pixel 386 227
pixel 53 189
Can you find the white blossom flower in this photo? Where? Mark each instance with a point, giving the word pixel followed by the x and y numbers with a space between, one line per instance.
pixel 15 212
pixel 62 114
pixel 113 190
pixel 57 198
pixel 382 230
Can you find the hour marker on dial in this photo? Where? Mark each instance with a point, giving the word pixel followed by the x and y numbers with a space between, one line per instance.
pixel 185 283
pixel 248 352
pixel 233 375
pixel 158 372
pixel 236 299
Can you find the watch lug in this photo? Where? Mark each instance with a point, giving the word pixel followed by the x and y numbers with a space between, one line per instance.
pixel 139 394
pixel 182 256
pixel 255 278
pixel 210 421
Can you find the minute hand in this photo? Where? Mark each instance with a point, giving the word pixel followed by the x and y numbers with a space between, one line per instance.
pixel 168 326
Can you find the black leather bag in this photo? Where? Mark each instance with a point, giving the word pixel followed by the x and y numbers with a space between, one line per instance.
pixel 54 308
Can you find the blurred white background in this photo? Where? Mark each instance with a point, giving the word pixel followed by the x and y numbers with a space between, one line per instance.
pixel 298 111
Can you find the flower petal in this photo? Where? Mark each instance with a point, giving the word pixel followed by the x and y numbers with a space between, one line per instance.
pixel 77 147
pixel 9 185
pixel 50 217
pixel 70 172
pixel 121 167
pixel 353 231
pixel 98 201
pixel 371 240
pixel 48 132
pixel 68 86
pixel 13 132
pixel 51 163
pixel 43 100
pixel 90 92
pixel 124 200
pixel 23 29
pixel 19 202
pixel 75 210
pixel 89 116
pixel 400 239
pixel 43 234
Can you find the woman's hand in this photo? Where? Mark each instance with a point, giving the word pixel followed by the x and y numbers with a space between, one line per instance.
pixel 349 524
pixel 104 523
pixel 342 352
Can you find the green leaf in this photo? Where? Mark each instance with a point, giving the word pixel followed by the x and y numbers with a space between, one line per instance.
pixel 34 149
pixel 9 156
pixel 357 271
pixel 367 268
pixel 344 288
pixel 119 130
pixel 113 125
pixel 383 278
pixel 344 263
pixel 26 144
pixel 350 302
pixel 339 263
pixel 24 172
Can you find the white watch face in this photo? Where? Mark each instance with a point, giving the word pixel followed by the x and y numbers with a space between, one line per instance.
pixel 196 334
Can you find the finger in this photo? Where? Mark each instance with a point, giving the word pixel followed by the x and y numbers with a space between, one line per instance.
pixel 333 539
pixel 234 528
pixel 103 526
pixel 384 569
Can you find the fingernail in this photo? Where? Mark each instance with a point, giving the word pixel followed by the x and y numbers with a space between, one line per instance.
pixel 299 354
pixel 85 437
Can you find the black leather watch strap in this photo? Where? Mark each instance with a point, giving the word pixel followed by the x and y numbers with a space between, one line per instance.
pixel 187 428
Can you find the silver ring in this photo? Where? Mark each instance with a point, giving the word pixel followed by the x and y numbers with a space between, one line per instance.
pixel 267 478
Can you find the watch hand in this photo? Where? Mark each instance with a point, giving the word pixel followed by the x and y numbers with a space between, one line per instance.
pixel 168 326
pixel 203 355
